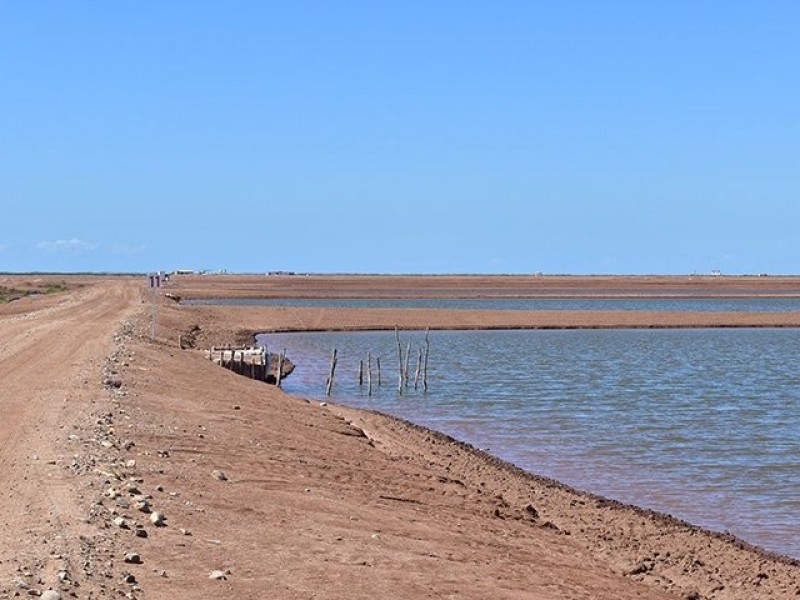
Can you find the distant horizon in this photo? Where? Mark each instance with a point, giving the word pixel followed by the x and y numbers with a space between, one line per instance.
pixel 380 274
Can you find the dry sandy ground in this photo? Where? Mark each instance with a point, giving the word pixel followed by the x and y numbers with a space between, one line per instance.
pixel 106 430
pixel 481 286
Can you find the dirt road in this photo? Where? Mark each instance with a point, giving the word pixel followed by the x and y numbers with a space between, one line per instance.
pixel 51 359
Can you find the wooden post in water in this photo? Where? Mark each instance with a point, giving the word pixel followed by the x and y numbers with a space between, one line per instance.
pixel 369 373
pixel 378 360
pixel 425 365
pixel 419 366
pixel 330 376
pixel 399 361
pixel 408 360
pixel 360 373
pixel 279 374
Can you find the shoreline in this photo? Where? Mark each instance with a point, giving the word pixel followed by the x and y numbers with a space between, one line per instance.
pixel 662 518
pixel 639 543
pixel 246 322
pixel 668 519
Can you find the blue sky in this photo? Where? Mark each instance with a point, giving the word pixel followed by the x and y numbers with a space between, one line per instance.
pixel 425 137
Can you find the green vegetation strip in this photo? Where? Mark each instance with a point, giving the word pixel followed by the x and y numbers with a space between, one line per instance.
pixel 8 294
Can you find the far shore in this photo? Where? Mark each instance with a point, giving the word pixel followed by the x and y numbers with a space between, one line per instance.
pixel 257 319
pixel 486 286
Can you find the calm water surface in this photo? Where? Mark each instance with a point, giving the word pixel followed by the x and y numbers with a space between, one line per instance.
pixel 655 304
pixel 701 424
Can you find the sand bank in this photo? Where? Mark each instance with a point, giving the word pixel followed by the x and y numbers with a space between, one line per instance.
pixel 472 500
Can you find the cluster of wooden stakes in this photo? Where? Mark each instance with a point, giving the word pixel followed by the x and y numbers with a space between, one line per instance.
pixel 403 367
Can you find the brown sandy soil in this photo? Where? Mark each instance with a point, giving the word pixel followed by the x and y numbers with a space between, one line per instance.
pixel 104 427
pixel 480 286
pixel 240 323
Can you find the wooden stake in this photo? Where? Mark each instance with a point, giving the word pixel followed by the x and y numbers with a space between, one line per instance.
pixel 425 366
pixel 419 366
pixel 408 360
pixel 378 360
pixel 360 373
pixel 279 374
pixel 399 361
pixel 369 373
pixel 330 376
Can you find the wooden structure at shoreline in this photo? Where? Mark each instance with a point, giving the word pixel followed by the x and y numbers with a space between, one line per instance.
pixel 255 362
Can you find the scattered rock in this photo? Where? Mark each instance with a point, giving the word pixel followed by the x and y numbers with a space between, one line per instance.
pixel 128 578
pixel 220 475
pixel 217 575
pixel 157 519
pixel 51 595
pixel 642 567
pixel 133 558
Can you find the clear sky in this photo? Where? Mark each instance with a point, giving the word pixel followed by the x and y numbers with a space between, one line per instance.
pixel 424 137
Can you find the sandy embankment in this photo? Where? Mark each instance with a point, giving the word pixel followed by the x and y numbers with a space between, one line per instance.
pixel 317 501
pixel 454 482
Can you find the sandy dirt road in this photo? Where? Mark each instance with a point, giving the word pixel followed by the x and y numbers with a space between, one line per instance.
pixel 51 358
